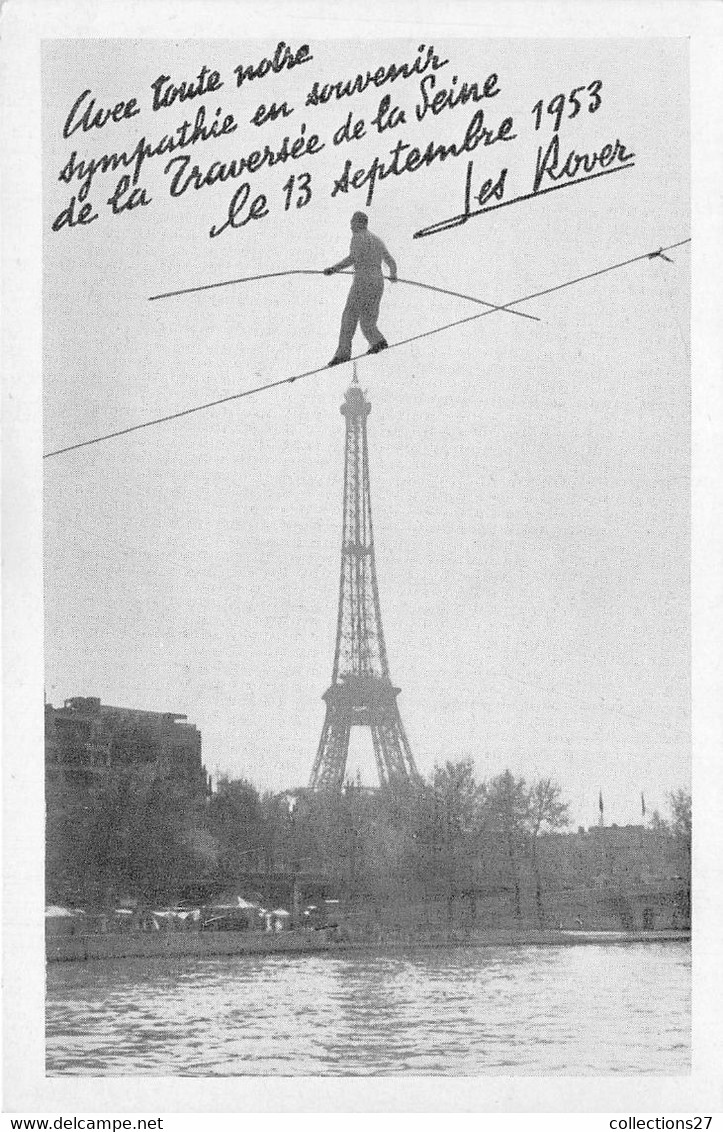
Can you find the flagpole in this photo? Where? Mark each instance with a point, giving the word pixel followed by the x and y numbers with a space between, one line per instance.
pixel 601 824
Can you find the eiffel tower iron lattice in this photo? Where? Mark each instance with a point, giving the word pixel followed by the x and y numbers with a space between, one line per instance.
pixel 361 693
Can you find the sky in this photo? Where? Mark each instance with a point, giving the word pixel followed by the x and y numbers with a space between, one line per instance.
pixel 530 480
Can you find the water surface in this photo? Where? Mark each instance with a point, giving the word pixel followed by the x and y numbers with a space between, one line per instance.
pixel 577 1010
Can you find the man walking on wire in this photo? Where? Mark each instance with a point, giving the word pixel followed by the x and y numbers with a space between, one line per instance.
pixel 366 254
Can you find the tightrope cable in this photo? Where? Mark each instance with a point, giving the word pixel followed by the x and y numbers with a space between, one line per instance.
pixel 325 368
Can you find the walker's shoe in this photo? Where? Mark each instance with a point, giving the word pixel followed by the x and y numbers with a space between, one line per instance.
pixel 383 345
pixel 337 360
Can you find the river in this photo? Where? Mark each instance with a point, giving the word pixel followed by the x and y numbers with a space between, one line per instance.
pixel 577 1010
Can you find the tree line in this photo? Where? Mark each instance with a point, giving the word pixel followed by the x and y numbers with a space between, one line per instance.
pixel 131 837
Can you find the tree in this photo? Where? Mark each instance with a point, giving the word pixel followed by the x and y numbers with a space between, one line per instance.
pixel 324 833
pixel 546 813
pixel 459 798
pixel 658 824
pixel 390 831
pixel 124 835
pixel 681 828
pixel 455 805
pixel 506 814
pixel 69 819
pixel 234 818
pixel 681 811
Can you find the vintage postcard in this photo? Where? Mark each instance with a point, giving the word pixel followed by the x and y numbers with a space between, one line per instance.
pixel 365 413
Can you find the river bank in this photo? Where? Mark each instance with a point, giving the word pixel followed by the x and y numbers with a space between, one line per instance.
pixel 127 945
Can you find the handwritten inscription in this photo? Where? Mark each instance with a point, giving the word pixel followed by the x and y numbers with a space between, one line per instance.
pixel 165 92
pixel 426 59
pixel 91 118
pixel 611 158
pixel 238 214
pixel 187 134
pixel 549 164
pixel 448 99
pixel 407 159
pixel 440 98
pixel 220 171
pixel 282 59
pixel 557 105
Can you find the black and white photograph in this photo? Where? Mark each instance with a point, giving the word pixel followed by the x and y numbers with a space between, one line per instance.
pixel 364 427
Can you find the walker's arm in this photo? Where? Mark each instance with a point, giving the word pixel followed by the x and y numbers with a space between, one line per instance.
pixel 391 264
pixel 348 262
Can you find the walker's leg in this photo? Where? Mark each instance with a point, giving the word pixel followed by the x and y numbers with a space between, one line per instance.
pixel 349 322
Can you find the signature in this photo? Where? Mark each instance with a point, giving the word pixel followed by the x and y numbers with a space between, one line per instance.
pixel 573 169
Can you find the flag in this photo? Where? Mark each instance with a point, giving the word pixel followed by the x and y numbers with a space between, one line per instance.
pixel 600 803
pixel 642 802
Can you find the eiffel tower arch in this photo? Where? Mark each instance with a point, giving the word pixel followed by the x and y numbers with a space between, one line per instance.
pixel 361 693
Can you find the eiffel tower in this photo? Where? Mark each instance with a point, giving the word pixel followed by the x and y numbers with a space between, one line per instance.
pixel 361 693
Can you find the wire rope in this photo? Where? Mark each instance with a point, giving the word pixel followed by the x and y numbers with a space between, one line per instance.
pixel 355 357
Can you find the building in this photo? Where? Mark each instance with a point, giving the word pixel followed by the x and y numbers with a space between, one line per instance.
pixel 614 854
pixel 614 876
pixel 86 739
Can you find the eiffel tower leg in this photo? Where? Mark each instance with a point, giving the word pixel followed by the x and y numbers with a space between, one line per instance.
pixel 392 745
pixel 393 755
pixel 380 756
pixel 410 767
pixel 333 751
